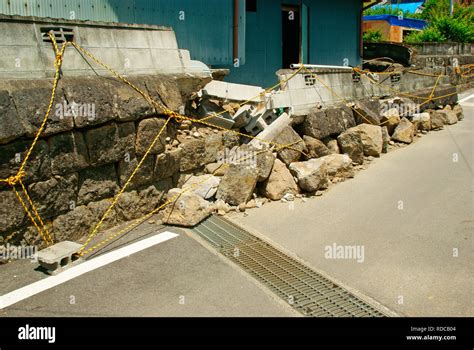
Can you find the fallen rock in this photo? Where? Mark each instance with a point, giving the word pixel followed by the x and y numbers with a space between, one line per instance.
pixel 312 175
pixel 459 112
pixel 293 153
pixel 279 183
pixel 390 119
pixel 323 123
pixel 371 136
pixel 315 148
pixel 367 111
pixel 338 166
pixel 238 184
pixel 351 144
pixel 422 121
pixel 404 132
pixel 187 210
pixel 204 186
pixel 263 159
pixel 437 120
pixel 449 117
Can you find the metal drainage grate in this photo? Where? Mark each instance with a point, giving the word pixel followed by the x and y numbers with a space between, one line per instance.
pixel 306 290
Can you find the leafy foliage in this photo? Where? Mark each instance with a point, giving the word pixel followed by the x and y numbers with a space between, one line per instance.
pixel 372 35
pixel 389 10
pixel 442 26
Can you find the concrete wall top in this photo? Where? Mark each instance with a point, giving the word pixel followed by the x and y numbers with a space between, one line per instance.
pixel 26 51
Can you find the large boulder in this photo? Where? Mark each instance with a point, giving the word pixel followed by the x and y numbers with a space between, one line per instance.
pixel 289 137
pixel 279 183
pixel 312 175
pixel 238 184
pixel 436 119
pixel 351 143
pixel 449 117
pixel 371 136
pixel 204 186
pixel 187 209
pixel 315 148
pixel 262 158
pixel 338 166
pixel 367 111
pixel 459 112
pixel 404 132
pixel 323 123
pixel 390 119
pixel 422 121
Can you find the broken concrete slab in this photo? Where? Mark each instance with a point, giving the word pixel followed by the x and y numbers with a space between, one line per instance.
pixel 58 257
pixel 233 92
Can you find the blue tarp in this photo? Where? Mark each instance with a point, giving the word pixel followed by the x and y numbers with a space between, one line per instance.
pixel 409 7
pixel 395 21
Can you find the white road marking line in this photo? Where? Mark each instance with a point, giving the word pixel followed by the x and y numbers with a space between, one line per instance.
pixel 82 268
pixel 466 98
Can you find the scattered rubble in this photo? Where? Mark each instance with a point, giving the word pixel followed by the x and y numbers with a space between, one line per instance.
pixel 295 155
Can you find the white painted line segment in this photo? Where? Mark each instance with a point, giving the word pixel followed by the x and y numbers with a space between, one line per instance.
pixel 466 98
pixel 82 268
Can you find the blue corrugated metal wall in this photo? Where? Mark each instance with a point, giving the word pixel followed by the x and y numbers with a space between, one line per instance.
pixel 334 37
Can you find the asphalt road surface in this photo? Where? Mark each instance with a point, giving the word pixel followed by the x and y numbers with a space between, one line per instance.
pixel 412 213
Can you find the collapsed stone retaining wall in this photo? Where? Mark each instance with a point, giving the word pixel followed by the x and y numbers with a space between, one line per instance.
pixel 97 132
pixel 83 159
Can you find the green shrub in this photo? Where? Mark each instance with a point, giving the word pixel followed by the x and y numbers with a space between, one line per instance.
pixel 389 10
pixel 430 34
pixel 372 35
pixel 442 26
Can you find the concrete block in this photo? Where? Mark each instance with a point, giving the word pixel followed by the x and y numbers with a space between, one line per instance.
pixel 272 131
pixel 221 121
pixel 233 92
pixel 256 126
pixel 58 257
pixel 243 116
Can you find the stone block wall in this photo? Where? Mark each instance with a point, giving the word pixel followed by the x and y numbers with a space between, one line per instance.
pixel 98 131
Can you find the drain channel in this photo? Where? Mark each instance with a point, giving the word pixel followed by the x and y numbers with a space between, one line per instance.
pixel 307 291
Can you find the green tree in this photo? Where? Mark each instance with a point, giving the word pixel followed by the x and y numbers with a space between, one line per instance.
pixel 442 26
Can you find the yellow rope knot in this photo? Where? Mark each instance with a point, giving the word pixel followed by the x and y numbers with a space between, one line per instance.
pixel 58 60
pixel 13 180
